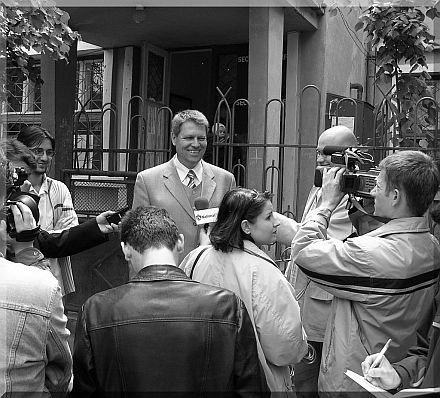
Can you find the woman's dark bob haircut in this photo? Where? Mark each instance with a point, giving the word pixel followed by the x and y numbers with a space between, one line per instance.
pixel 237 205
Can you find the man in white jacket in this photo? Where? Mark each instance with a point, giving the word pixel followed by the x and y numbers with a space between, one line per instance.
pixel 314 302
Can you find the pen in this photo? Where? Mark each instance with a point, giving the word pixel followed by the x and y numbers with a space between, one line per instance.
pixel 382 352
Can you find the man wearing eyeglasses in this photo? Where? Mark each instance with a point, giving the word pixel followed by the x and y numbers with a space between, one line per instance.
pixel 315 302
pixel 55 205
pixel 176 184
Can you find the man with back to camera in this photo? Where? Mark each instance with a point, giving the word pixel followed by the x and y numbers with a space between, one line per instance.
pixel 381 280
pixel 163 332
pixel 314 301
pixel 175 185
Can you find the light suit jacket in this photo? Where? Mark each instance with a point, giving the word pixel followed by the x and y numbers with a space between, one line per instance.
pixel 160 186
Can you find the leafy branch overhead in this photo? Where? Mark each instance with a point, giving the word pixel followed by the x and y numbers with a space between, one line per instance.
pixel 400 35
pixel 40 28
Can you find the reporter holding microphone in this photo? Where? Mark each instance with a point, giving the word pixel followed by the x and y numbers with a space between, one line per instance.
pixel 234 261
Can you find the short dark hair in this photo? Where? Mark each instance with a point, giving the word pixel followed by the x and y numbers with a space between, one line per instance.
pixel 416 174
pixel 34 135
pixel 146 227
pixel 188 115
pixel 237 205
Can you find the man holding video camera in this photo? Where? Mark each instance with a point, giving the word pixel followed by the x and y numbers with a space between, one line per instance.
pixel 381 280
pixel 36 356
pixel 314 301
pixel 34 349
pixel 20 162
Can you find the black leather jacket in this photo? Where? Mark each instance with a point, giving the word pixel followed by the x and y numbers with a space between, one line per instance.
pixel 164 332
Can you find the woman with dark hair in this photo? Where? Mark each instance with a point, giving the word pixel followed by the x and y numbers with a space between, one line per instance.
pixel 55 205
pixel 235 261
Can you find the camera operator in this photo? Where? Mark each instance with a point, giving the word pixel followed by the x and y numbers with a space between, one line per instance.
pixel 60 244
pixel 315 302
pixel 381 281
pixel 35 353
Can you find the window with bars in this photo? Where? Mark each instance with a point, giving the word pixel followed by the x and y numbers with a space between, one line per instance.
pixel 88 118
pixel 89 84
pixel 23 107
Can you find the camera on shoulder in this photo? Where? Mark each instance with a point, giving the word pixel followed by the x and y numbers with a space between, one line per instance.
pixel 15 177
pixel 356 180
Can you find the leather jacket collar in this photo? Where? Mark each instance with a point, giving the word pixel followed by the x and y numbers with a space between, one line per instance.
pixel 159 272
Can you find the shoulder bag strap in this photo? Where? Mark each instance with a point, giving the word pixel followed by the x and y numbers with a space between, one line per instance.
pixel 196 260
pixel 259 256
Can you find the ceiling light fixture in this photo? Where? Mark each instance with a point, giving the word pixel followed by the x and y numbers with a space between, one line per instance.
pixel 139 14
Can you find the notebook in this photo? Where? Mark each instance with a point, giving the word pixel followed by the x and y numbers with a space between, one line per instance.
pixel 381 393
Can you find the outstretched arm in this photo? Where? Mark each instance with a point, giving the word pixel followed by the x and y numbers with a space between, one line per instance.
pixel 76 239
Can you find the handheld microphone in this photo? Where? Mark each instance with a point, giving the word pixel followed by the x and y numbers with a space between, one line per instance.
pixel 203 214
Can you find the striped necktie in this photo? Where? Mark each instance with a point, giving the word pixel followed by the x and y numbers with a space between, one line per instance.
pixel 191 179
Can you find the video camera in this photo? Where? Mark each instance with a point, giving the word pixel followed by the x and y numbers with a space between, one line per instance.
pixel 15 177
pixel 354 181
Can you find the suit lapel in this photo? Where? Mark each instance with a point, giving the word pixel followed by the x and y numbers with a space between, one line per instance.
pixel 208 181
pixel 174 185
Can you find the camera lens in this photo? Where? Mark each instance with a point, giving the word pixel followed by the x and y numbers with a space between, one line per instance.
pixel 30 200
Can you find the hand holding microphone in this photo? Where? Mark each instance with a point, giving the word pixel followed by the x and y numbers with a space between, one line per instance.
pixel 203 214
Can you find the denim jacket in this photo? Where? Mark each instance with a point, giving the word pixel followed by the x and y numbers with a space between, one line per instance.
pixel 34 354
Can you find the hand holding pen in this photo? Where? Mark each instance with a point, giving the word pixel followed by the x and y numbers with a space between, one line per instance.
pixel 378 371
pixel 380 356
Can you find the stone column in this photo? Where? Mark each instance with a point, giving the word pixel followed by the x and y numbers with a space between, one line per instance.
pixel 266 28
pixel 58 106
pixel 290 172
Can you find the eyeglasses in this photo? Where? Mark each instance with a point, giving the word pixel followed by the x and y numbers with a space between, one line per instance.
pixel 320 153
pixel 50 153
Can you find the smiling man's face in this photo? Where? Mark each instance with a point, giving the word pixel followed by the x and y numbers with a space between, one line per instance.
pixel 190 143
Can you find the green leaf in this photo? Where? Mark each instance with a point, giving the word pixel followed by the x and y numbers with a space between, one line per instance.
pixel 358 26
pixel 414 67
pixel 386 78
pixel 431 13
pixel 37 21
pixel 64 48
pixel 388 68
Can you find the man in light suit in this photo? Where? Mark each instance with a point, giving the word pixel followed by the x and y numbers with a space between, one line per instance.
pixel 314 301
pixel 175 185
